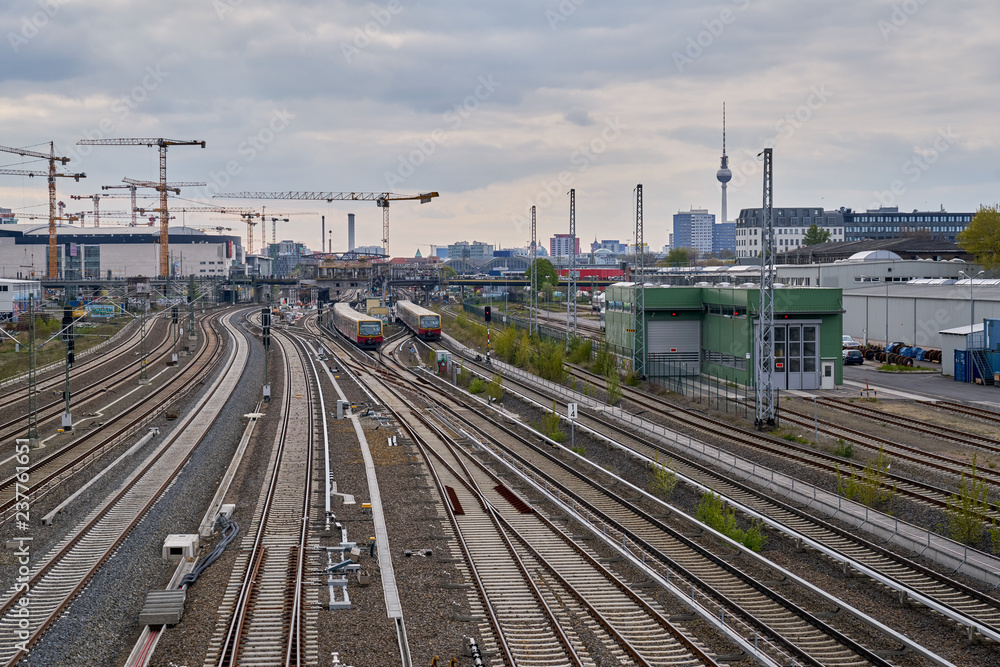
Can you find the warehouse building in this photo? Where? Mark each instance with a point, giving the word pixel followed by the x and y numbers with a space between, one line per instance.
pixel 104 253
pixel 703 329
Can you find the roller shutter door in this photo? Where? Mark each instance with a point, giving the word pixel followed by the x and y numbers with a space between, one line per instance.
pixel 674 345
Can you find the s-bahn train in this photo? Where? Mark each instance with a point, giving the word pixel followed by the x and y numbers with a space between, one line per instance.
pixel 360 329
pixel 425 323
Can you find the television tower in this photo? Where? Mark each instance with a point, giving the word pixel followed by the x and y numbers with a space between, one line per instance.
pixel 724 175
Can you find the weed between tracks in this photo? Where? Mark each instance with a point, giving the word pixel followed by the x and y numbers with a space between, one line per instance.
pixel 715 513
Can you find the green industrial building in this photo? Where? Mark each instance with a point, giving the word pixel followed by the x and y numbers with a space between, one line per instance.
pixel 695 330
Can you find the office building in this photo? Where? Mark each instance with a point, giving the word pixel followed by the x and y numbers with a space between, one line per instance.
pixel 564 245
pixel 694 229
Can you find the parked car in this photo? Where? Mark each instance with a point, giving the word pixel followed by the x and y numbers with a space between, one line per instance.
pixel 849 343
pixel 853 357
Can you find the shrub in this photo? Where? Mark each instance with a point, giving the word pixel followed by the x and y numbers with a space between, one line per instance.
pixel 495 388
pixel 844 449
pixel 477 386
pixel 870 487
pixel 603 360
pixel 549 362
pixel 664 480
pixel 580 352
pixel 582 451
pixel 550 425
pixel 522 356
pixel 614 387
pixel 713 512
pixel 966 508
pixel 505 344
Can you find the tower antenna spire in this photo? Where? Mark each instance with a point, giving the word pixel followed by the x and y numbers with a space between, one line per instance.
pixel 724 175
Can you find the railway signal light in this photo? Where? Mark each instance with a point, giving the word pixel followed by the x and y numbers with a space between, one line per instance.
pixel 487 312
pixel 173 314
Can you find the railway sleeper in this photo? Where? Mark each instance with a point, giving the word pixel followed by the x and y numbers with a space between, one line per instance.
pixel 463 618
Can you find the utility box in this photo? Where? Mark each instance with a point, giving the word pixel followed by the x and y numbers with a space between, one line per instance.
pixel 179 547
pixel 342 409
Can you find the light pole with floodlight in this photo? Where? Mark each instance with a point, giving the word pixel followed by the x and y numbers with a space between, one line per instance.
pixel 972 302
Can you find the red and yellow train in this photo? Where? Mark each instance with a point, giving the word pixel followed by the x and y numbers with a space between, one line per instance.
pixel 424 323
pixel 362 330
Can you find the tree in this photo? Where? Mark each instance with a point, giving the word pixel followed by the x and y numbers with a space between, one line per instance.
pixel 815 235
pixel 448 272
pixel 982 237
pixel 546 273
pixel 678 257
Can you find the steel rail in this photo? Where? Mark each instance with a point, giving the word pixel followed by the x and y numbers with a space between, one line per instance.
pixel 923 585
pixel 183 379
pixel 113 535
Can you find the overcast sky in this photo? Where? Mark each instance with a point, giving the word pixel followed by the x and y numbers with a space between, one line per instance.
pixel 501 105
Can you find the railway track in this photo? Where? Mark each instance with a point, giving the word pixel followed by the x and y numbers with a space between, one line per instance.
pixel 45 473
pixel 55 580
pixel 538 585
pixel 975 610
pixel 80 395
pixel 267 611
pixel 915 490
pixel 510 545
pixel 968 411
pixel 965 438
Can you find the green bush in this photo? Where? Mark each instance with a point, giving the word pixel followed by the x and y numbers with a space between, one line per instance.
pixel 495 388
pixel 663 480
pixel 580 352
pixel 549 362
pixel 582 451
pixel 522 355
pixel 713 512
pixel 966 508
pixel 476 386
pixel 844 449
pixel 550 425
pixel 603 360
pixel 869 487
pixel 614 387
pixel 505 344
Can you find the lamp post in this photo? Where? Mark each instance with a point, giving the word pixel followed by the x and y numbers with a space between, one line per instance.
pixel 972 302
pixel 887 272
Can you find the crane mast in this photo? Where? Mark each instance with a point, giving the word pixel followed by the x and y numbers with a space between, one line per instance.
pixel 162 187
pixel 52 175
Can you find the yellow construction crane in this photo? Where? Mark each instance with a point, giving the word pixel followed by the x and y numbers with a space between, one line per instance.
pixel 381 199
pixel 52 176
pixel 162 187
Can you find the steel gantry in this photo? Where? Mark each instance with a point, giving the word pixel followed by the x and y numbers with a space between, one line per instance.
pixel 765 416
pixel 162 187
pixel 533 301
pixel 52 175
pixel 571 286
pixel 381 199
pixel 639 357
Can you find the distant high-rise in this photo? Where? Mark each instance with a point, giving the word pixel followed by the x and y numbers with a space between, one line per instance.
pixel 694 229
pixel 350 232
pixel 724 175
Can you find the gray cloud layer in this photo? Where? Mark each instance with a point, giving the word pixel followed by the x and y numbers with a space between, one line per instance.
pixel 501 105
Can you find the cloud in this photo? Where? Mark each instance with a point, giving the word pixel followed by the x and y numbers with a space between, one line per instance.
pixel 386 108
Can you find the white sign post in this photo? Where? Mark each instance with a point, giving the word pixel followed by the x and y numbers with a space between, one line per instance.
pixel 571 412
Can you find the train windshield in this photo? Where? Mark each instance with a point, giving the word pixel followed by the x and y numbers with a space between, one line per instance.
pixel 430 321
pixel 370 328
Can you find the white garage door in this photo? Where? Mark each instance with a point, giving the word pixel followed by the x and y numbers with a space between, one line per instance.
pixel 674 344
